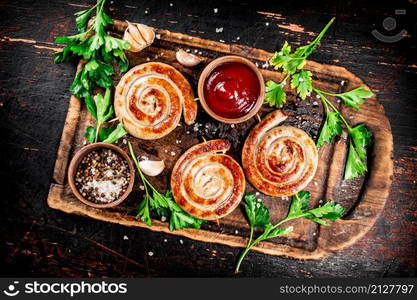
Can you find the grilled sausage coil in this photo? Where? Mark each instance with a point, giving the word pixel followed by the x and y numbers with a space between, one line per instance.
pixel 207 183
pixel 150 98
pixel 279 160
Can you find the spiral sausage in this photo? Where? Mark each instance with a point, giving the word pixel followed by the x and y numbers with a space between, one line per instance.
pixel 279 161
pixel 149 100
pixel 208 184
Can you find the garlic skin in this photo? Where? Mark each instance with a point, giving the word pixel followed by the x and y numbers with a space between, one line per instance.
pixel 187 59
pixel 139 36
pixel 152 167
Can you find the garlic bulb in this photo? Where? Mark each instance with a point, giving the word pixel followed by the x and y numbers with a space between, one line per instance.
pixel 187 59
pixel 152 167
pixel 139 36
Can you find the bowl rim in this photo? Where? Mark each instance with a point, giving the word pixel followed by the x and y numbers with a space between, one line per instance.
pixel 207 71
pixel 77 158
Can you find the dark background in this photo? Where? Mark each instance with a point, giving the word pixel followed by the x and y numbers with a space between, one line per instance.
pixel 39 241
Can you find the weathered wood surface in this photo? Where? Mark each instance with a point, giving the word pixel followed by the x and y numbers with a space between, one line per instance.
pixel 364 199
pixel 40 241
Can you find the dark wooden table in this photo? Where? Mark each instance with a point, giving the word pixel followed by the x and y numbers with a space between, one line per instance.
pixel 39 241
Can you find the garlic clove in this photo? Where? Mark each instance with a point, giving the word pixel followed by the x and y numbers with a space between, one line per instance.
pixel 134 31
pixel 134 46
pixel 139 36
pixel 147 33
pixel 187 59
pixel 152 167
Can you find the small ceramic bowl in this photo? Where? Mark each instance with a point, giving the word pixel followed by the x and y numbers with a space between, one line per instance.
pixel 207 71
pixel 78 157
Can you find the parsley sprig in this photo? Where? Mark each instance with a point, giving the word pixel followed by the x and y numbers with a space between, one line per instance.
pixel 101 109
pixel 259 217
pixel 164 205
pixel 94 45
pixel 292 64
pixel 359 136
pixel 99 50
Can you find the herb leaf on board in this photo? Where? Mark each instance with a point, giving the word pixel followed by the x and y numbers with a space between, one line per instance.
pixel 258 216
pixel 275 94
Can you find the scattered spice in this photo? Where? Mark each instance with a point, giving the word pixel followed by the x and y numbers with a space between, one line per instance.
pixel 102 176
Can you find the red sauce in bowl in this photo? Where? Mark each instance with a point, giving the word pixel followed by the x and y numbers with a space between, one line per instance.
pixel 231 90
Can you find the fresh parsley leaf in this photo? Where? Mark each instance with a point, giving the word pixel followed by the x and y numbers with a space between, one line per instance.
pixel 299 204
pixel 286 60
pixel 360 138
pixel 80 37
pixel 90 134
pixel 77 87
pixel 302 81
pixel 275 94
pixel 329 211
pixel 65 54
pixel 160 203
pixel 355 97
pixel 104 107
pixel 355 167
pixel 97 47
pixel 105 132
pixel 271 232
pixel 115 134
pixel 101 109
pixel 100 73
pixel 143 210
pixel 331 128
pixel 257 213
pixel 82 18
pixel 91 106
pixel 179 219
pixel 291 62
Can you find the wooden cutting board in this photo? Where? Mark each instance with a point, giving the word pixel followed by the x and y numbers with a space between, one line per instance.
pixel 364 197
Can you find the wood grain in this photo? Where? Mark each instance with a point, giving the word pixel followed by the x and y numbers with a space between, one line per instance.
pixel 365 197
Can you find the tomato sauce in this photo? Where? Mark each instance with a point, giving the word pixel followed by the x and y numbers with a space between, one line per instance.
pixel 231 90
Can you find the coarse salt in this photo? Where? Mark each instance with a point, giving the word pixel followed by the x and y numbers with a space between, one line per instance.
pixel 107 188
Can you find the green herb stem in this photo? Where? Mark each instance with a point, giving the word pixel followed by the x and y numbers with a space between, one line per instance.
pixel 328 103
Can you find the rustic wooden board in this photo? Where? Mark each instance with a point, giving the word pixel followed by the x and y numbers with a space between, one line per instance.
pixel 364 197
